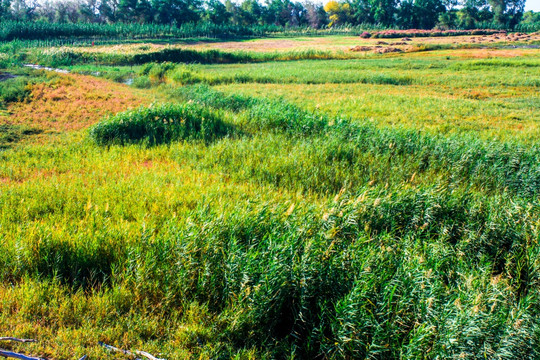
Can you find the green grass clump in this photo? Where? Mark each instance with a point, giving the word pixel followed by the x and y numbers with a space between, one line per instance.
pixel 157 71
pixel 14 90
pixel 142 82
pixel 159 124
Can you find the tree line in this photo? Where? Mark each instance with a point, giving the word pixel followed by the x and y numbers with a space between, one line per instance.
pixel 421 14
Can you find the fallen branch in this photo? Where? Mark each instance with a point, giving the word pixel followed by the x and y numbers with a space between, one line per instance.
pixel 146 355
pixel 17 340
pixel 9 354
pixel 127 352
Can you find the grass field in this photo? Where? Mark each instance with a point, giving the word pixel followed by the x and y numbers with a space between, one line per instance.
pixel 351 205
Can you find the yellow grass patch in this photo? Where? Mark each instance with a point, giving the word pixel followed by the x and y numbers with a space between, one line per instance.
pixel 434 108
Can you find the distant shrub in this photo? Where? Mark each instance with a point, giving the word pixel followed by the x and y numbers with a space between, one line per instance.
pixel 159 124
pixel 145 69
pixel 14 90
pixel 117 76
pixel 185 76
pixel 142 82
pixel 365 35
pixel 158 71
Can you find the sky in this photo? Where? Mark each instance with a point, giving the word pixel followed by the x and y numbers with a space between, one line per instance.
pixel 532 5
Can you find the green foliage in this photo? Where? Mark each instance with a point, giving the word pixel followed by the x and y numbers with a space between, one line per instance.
pixel 142 82
pixel 185 76
pixel 33 30
pixel 14 90
pixel 158 71
pixel 159 124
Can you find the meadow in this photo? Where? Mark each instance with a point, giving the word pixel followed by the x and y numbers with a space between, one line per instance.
pixel 321 203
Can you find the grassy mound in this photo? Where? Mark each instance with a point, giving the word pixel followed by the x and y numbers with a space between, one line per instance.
pixel 159 124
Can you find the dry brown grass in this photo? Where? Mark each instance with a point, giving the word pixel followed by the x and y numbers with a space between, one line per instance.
pixel 72 103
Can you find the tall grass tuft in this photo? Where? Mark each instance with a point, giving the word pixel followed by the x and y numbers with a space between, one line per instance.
pixel 159 124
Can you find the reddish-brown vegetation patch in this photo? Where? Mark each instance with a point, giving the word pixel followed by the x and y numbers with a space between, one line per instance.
pixel 389 49
pixel 361 48
pixel 377 49
pixel 72 103
pixel 388 34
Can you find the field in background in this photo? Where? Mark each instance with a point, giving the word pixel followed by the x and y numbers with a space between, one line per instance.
pixel 282 198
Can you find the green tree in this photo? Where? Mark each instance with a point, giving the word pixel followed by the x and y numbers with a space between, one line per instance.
pixel 251 12
pixel 90 10
pixel 427 12
pixel 108 10
pixel 530 18
pixel 176 11
pixel 513 12
pixel 422 14
pixel 315 15
pixel 406 14
pixel 5 6
pixel 216 12
pixel 374 11
pixel 383 11
pixel 127 10
pixel 24 9
pixel 284 13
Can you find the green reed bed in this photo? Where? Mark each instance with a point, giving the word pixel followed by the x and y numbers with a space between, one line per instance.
pixel 66 56
pixel 351 148
pixel 399 71
pixel 271 232
pixel 378 272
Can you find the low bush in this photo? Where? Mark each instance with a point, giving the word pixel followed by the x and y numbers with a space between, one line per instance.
pixel 142 82
pixel 158 71
pixel 14 90
pixel 159 124
pixel 205 96
pixel 186 76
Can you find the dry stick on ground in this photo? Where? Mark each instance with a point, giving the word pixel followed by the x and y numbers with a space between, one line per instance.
pixel 17 340
pixel 9 354
pixel 135 352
